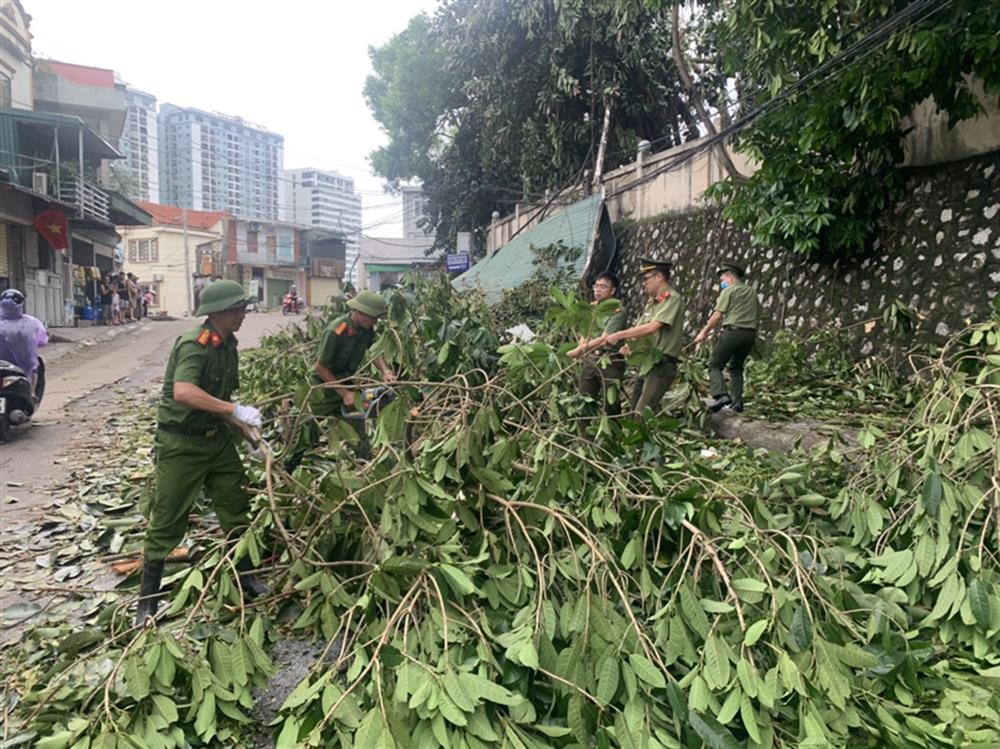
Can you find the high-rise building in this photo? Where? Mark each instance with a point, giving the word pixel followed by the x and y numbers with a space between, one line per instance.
pixel 214 162
pixel 139 143
pixel 327 200
pixel 413 210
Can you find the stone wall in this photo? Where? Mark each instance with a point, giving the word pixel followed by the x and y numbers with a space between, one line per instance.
pixel 937 251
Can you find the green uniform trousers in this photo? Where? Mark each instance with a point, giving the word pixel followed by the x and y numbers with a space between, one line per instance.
pixel 649 390
pixel 594 381
pixel 184 466
pixel 733 348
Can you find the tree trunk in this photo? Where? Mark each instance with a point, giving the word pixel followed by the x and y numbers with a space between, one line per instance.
pixel 686 80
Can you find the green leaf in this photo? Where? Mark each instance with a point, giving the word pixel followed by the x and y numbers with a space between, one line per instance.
pixel 204 723
pixel 136 678
pixel 982 602
pixel 372 731
pixel 607 680
pixel 457 580
pixel 58 740
pixel 801 629
pixel 731 706
pixel 528 655
pixel 576 720
pixel 453 688
pixel 754 632
pixel 931 495
pixel 693 613
pixel 749 717
pixel 451 712
pixel 717 669
pixel 165 707
pixel 714 734
pixel 289 736
pixel 487 690
pixel 647 671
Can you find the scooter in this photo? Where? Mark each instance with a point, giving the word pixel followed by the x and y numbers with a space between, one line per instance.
pixel 292 305
pixel 17 404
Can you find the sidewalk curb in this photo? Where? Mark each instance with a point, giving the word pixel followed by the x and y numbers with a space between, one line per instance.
pixel 69 347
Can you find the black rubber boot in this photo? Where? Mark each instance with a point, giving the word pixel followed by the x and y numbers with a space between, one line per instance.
pixel 149 592
pixel 719 402
pixel 252 587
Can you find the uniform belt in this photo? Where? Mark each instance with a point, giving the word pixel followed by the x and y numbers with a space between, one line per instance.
pixel 187 431
pixel 737 327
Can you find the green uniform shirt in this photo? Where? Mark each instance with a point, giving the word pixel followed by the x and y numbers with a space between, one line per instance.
pixel 616 322
pixel 342 348
pixel 668 308
pixel 739 306
pixel 202 358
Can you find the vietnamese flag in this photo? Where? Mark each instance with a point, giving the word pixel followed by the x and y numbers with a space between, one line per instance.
pixel 52 225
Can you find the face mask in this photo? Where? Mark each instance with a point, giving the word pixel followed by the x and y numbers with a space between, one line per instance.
pixel 723 285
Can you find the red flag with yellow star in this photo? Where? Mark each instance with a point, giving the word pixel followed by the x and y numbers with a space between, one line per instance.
pixel 52 225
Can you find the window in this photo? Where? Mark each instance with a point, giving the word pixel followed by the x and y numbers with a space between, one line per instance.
pixel 143 251
pixel 5 90
pixel 251 241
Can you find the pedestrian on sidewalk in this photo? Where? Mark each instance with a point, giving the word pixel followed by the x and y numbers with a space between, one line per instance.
pixel 195 442
pixel 661 327
pixel 107 289
pixel 133 294
pixel 595 379
pixel 124 302
pixel 116 303
pixel 738 311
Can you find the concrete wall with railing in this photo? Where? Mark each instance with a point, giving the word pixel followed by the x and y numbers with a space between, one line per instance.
pixel 692 169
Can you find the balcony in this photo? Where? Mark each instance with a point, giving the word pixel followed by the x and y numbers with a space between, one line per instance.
pixel 91 200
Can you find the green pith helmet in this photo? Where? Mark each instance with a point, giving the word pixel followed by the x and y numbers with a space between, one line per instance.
pixel 222 295
pixel 369 303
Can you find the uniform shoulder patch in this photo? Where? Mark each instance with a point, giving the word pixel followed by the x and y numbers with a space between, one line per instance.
pixel 204 337
pixel 662 296
pixel 340 329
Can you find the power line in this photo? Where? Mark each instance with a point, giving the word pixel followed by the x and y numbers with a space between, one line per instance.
pixel 911 15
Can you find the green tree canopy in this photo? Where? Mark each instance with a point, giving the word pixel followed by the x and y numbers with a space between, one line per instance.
pixel 489 98
pixel 829 155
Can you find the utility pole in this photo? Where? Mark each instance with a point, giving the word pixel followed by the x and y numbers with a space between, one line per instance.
pixel 187 263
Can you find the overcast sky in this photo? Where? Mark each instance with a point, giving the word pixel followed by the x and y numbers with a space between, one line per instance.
pixel 296 67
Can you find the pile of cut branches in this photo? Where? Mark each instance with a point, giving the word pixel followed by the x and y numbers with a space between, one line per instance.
pixel 508 571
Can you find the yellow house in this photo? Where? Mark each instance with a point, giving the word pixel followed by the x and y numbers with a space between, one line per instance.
pixel 181 252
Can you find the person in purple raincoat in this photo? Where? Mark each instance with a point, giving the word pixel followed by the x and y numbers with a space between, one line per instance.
pixel 21 335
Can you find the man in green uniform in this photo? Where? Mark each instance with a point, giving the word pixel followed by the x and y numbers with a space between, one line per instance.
pixel 594 379
pixel 342 348
pixel 738 310
pixel 662 324
pixel 195 446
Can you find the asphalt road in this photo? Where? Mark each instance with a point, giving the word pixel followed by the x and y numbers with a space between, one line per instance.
pixel 72 408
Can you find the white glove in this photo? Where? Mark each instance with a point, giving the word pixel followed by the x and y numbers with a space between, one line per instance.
pixel 247 415
pixel 255 452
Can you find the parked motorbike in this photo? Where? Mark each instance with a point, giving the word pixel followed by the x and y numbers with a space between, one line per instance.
pixel 292 305
pixel 17 404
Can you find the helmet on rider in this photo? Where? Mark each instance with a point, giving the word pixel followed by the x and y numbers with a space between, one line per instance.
pixel 12 295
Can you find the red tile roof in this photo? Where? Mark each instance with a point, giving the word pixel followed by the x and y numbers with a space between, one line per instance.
pixel 83 74
pixel 171 215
